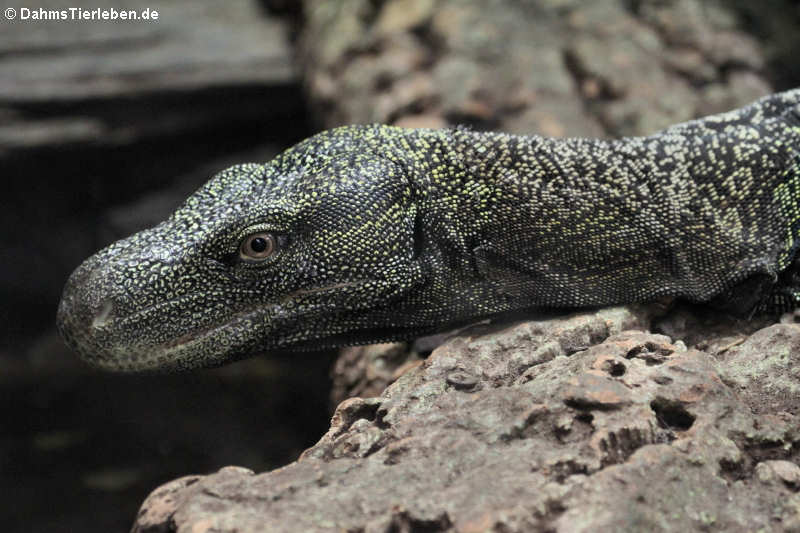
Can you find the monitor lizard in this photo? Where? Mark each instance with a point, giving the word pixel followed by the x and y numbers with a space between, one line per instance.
pixel 373 233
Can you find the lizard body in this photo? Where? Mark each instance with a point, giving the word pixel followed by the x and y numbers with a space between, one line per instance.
pixel 373 233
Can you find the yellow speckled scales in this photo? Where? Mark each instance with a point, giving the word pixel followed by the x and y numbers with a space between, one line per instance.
pixel 379 233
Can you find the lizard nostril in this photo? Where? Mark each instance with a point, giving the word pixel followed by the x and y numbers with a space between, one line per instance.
pixel 104 315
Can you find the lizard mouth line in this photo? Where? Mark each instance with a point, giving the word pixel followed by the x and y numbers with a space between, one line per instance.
pixel 267 310
pixel 199 334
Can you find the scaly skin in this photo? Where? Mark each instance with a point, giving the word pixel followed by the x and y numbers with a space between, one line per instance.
pixel 384 233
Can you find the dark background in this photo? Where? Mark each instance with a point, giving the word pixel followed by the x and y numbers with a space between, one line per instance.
pixel 105 127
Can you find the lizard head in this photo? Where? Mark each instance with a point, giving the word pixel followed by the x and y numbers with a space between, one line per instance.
pixel 304 251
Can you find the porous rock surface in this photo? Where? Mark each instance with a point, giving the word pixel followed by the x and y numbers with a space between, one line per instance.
pixel 582 422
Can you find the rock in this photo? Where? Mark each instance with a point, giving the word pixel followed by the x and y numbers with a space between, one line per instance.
pixel 554 68
pixel 572 423
pixel 707 329
pixel 162 504
pixel 366 371
pixel 785 471
pixel 765 370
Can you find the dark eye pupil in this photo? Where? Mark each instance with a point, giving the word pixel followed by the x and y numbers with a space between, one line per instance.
pixel 259 244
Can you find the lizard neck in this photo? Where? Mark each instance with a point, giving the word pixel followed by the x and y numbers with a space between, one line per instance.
pixel 467 182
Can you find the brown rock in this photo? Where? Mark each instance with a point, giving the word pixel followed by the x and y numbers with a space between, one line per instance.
pixel 765 369
pixel 366 371
pixel 592 391
pixel 566 424
pixel 158 508
pixel 785 471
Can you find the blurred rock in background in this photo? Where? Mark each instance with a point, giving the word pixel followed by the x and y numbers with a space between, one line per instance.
pixel 556 68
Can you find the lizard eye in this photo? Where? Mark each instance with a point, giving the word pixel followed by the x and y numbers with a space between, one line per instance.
pixel 257 247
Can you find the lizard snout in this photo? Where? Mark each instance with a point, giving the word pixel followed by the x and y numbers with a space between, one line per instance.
pixel 87 307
